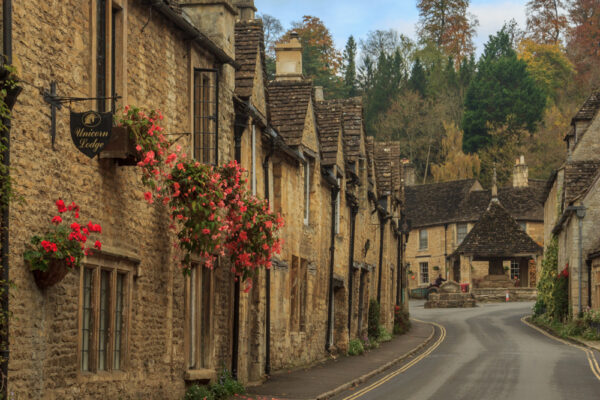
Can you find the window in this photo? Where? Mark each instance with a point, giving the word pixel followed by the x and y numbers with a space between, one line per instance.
pixel 523 226
pixel 198 320
pixel 515 269
pixel 337 207
pixel 206 110
pixel 461 232
pixel 423 239
pixel 424 268
pixel 298 294
pixel 103 317
pixel 253 176
pixel 306 192
pixel 109 54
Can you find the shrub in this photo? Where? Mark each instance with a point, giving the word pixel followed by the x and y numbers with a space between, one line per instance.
pixel 224 388
pixel 374 317
pixel 355 347
pixel 401 321
pixel 383 335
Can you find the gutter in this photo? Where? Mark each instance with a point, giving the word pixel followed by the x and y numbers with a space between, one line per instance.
pixel 183 22
pixel 4 224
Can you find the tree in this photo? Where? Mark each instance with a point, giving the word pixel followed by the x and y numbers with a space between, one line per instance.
pixel 321 61
pixel 447 24
pixel 272 29
pixel 548 65
pixel 545 20
pixel 418 79
pixel 350 68
pixel 456 165
pixel 584 41
pixel 502 92
pixel 388 42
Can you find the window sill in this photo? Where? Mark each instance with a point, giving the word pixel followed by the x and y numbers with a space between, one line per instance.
pixel 203 375
pixel 102 376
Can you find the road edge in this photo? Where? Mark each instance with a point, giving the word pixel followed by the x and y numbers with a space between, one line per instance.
pixel 526 319
pixel 384 367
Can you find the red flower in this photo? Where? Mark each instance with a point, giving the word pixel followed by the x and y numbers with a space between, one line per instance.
pixel 148 197
pixel 98 245
pixel 56 220
pixel 60 205
pixel 75 227
pixel 206 231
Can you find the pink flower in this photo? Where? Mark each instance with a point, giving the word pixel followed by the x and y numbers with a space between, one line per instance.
pixel 206 231
pixel 138 147
pixel 148 197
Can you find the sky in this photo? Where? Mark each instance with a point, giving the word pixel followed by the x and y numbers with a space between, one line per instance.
pixel 357 17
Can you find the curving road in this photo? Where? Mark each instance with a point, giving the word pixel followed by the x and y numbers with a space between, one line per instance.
pixel 488 353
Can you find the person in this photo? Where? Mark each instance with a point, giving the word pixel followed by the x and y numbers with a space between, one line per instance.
pixel 439 280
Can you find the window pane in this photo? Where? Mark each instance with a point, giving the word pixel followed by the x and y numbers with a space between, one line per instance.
pixel 424 272
pixel 192 317
pixel 118 322
pixel 103 328
pixel 101 53
pixel 86 319
pixel 461 232
pixel 205 116
pixel 514 269
pixel 423 239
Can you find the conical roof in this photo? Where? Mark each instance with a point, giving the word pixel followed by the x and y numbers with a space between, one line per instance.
pixel 497 234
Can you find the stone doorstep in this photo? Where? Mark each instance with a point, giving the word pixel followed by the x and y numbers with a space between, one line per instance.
pixel 200 375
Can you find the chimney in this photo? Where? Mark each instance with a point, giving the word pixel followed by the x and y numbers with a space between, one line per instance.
pixel 215 18
pixel 288 66
pixel 319 93
pixel 246 8
pixel 520 173
pixel 408 173
pixel 494 188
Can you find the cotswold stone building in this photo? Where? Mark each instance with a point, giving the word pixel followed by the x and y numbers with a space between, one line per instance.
pixel 441 215
pixel 202 64
pixel 572 208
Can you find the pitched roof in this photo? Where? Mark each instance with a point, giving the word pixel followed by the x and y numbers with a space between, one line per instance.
pixel 288 101
pixel 578 177
pixel 370 147
pixel 588 111
pixel 249 46
pixel 455 201
pixel 329 120
pixel 384 166
pixel 497 234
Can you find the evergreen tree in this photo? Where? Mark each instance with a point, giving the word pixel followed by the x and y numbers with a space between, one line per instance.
pixel 418 78
pixel 502 92
pixel 350 68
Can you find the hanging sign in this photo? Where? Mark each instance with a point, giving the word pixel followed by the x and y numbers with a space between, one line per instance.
pixel 91 131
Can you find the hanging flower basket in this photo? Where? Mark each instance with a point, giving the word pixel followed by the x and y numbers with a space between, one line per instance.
pixel 57 270
pixel 122 147
pixel 61 248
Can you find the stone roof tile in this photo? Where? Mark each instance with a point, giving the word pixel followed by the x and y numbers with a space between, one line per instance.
pixel 329 121
pixel 578 177
pixel 588 111
pixel 497 234
pixel 249 47
pixel 288 101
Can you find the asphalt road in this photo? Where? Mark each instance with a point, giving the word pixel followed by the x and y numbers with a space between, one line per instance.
pixel 488 353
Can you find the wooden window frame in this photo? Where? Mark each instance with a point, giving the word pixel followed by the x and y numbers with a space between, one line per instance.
pixel 424 271
pixel 114 268
pixel 199 303
pixel 205 115
pixel 515 265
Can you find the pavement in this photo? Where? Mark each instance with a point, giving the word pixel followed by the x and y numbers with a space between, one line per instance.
pixel 488 353
pixel 334 376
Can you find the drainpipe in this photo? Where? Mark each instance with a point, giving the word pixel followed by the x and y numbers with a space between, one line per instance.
pixel 382 222
pixel 353 212
pixel 334 192
pixel 268 276
pixel 580 216
pixel 399 268
pixel 361 292
pixel 240 125
pixel 7 49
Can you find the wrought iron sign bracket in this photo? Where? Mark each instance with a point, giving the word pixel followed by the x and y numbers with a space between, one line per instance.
pixel 56 103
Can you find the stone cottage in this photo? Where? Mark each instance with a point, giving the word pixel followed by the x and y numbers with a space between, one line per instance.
pixel 129 324
pixel 441 215
pixel 572 207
